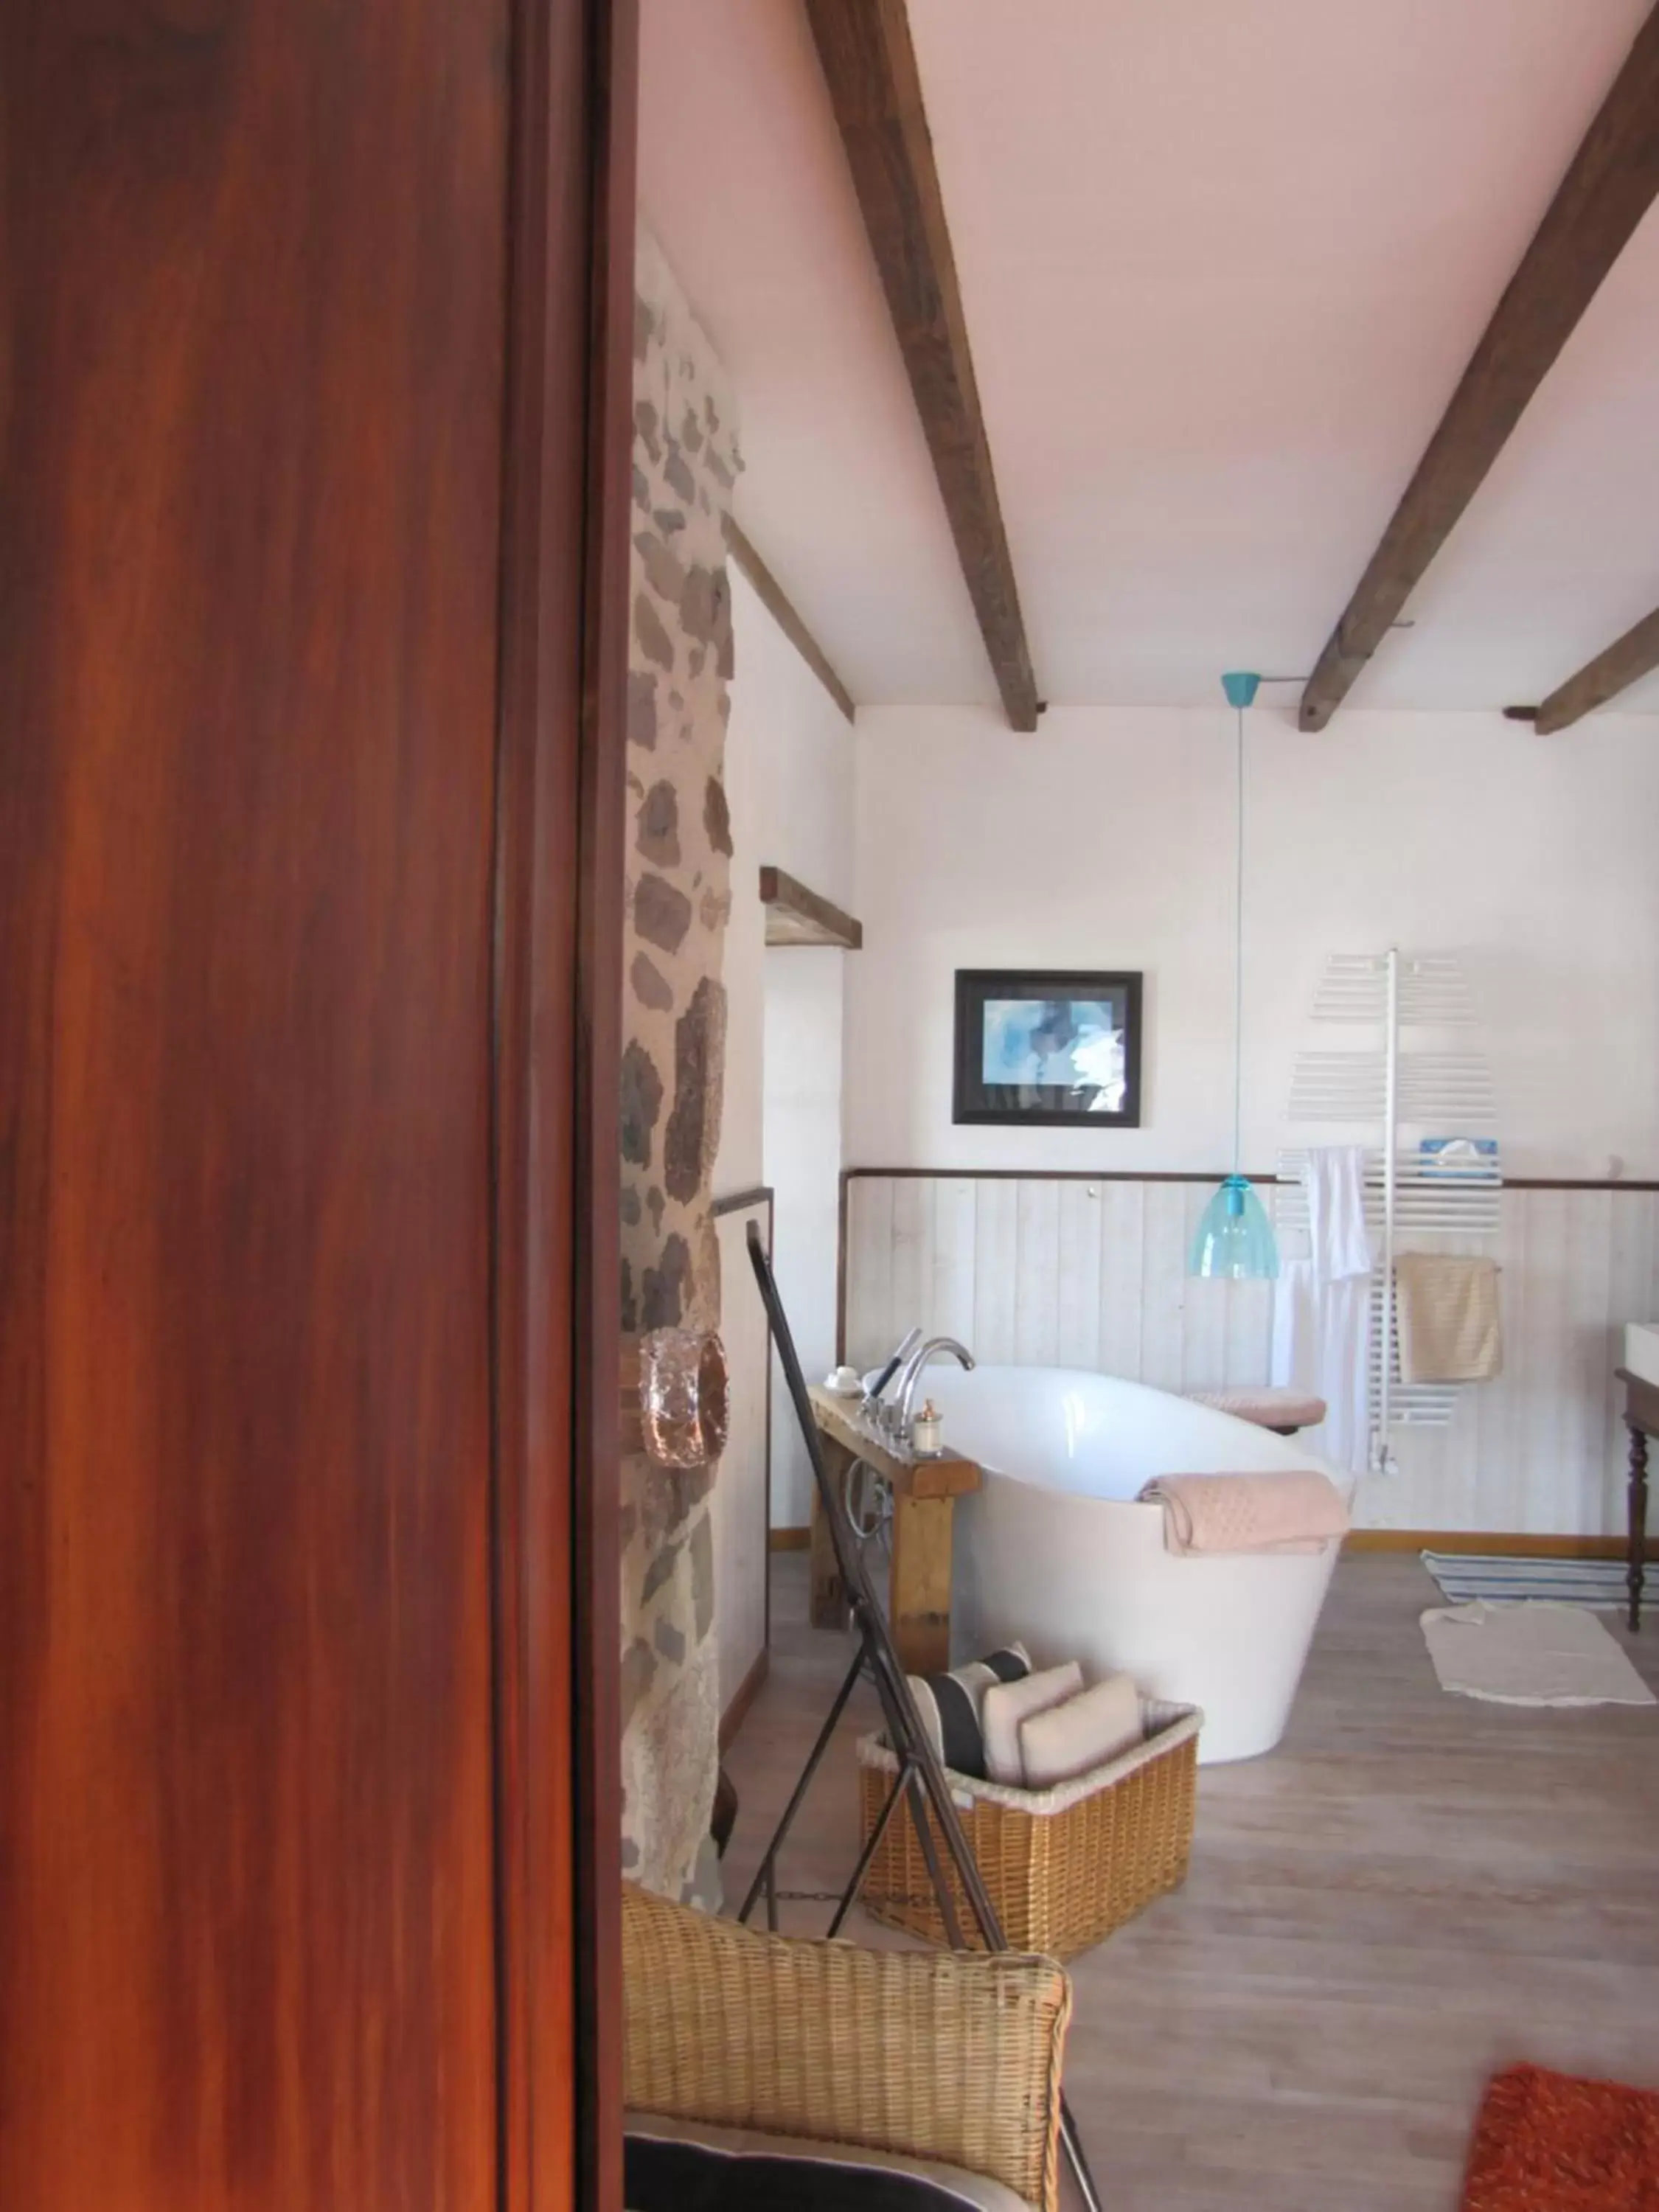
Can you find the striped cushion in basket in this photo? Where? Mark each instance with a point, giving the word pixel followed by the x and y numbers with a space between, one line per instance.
pixel 951 1705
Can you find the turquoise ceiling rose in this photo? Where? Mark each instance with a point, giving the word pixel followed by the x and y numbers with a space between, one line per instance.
pixel 1234 1239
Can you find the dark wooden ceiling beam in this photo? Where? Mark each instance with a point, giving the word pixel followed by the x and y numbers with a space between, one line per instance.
pixel 783 612
pixel 1626 661
pixel 870 64
pixel 1604 195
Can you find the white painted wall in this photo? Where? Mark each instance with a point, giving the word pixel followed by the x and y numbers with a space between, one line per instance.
pixel 789 771
pixel 1107 840
pixel 803 1165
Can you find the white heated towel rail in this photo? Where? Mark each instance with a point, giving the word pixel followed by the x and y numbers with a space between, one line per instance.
pixel 1408 1097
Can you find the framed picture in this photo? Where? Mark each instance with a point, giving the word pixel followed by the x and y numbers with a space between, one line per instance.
pixel 1050 1048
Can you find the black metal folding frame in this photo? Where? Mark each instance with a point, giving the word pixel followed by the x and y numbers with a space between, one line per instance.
pixel 921 1780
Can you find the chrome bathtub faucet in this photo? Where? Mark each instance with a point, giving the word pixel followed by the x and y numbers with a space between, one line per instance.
pixel 900 1413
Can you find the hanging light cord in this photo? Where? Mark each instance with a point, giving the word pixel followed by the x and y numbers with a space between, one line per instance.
pixel 1238 949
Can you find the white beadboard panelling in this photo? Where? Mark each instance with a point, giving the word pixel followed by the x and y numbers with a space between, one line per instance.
pixel 1249 1348
pixel 996 1254
pixel 956 1207
pixel 869 1271
pixel 1036 1272
pixel 1204 1333
pixel 1164 1287
pixel 1542 1463
pixel 913 1251
pixel 1081 1220
pixel 1045 1271
pixel 1588 1241
pixel 1122 1260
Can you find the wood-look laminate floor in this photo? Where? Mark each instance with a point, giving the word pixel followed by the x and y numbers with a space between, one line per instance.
pixel 1412 1891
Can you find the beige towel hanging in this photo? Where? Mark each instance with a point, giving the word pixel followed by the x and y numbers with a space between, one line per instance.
pixel 1446 1308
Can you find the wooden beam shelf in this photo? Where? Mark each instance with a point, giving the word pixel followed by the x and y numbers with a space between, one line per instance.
pixel 795 916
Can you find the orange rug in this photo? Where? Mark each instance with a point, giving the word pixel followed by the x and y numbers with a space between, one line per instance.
pixel 1546 2143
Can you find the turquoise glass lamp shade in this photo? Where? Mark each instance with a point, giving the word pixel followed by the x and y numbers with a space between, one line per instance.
pixel 1235 1237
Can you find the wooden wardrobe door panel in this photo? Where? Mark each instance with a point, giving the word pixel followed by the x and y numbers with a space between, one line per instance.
pixel 251 414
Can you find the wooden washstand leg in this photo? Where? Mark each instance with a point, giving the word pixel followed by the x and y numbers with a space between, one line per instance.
pixel 828 1606
pixel 921 1591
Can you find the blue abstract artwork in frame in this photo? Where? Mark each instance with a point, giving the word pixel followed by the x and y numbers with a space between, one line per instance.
pixel 1048 1046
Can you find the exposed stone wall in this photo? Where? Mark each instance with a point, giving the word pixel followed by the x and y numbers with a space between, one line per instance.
pixel 685 462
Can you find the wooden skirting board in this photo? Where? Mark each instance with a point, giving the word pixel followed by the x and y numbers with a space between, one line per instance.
pixel 1483 1542
pixel 1478 1542
pixel 747 1690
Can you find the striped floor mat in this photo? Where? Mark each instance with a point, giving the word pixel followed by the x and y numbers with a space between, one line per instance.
pixel 1464 1576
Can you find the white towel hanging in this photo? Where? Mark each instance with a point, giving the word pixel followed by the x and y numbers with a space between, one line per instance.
pixel 1322 1306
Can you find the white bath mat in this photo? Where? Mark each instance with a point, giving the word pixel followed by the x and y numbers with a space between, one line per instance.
pixel 1532 1653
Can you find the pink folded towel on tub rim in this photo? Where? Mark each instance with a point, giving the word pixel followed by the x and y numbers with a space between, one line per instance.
pixel 1298 1511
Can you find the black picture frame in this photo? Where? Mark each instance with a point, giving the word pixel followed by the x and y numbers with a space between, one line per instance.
pixel 977 1100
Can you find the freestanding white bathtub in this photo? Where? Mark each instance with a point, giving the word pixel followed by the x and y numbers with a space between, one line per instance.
pixel 1055 1549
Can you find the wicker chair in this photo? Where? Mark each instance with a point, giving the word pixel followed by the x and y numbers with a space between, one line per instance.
pixel 953 2057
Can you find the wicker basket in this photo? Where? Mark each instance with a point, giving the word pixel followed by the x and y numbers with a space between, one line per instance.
pixel 1063 1867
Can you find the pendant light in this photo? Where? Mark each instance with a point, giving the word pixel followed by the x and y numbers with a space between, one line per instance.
pixel 1235 1237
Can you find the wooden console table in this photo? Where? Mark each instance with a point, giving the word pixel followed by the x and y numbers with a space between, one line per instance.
pixel 1642 1419
pixel 924 1492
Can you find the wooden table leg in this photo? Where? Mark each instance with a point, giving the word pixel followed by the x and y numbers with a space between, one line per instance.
pixel 828 1606
pixel 1638 1521
pixel 921 1587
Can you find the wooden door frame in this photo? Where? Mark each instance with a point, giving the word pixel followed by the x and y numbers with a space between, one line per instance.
pixel 560 872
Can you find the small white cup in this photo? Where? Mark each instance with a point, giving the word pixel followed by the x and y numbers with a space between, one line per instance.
pixel 844 1381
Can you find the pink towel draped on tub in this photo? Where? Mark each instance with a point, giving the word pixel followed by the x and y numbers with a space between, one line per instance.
pixel 1299 1510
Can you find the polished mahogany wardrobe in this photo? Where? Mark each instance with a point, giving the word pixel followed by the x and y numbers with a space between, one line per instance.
pixel 314 415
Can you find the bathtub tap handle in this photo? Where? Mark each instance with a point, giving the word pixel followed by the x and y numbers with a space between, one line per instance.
pixel 906 1345
pixel 900 1414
